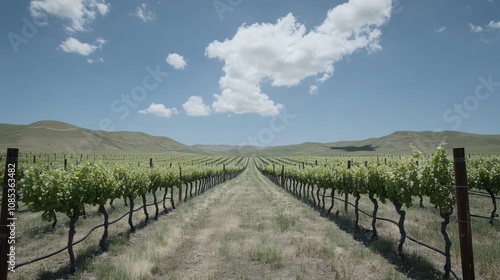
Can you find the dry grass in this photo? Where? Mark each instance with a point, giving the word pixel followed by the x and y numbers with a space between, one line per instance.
pixel 424 224
pixel 36 238
pixel 249 228
pixel 246 228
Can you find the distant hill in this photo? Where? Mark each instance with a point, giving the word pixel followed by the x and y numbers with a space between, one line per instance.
pixel 54 136
pixel 398 142
pixel 222 148
pixel 59 137
pixel 215 148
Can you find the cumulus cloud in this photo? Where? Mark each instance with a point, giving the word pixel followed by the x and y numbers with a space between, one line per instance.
pixel 494 25
pixel 475 29
pixel 313 89
pixel 144 14
pixel 196 107
pixel 175 60
pixel 92 61
pixel 72 45
pixel 285 53
pixel 440 29
pixel 79 13
pixel 491 26
pixel 159 110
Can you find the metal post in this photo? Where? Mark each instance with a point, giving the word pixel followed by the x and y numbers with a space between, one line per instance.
pixel 463 214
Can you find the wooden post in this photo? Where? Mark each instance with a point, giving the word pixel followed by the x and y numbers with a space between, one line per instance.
pixel 180 184
pixel 463 214
pixel 65 165
pixel 282 175
pixel 7 219
pixel 224 172
pixel 346 198
pixel 150 162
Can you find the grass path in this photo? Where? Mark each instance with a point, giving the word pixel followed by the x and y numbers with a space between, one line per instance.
pixel 246 228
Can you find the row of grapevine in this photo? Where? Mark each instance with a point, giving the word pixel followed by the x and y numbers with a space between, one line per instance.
pixel 484 175
pixel 55 190
pixel 397 183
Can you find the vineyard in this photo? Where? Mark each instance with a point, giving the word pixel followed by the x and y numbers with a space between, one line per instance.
pixel 402 183
pixel 69 191
pixel 378 201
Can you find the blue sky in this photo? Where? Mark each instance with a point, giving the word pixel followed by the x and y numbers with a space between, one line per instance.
pixel 253 72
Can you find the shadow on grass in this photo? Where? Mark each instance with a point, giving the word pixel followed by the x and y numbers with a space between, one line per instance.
pixel 412 265
pixel 83 259
pixel 365 148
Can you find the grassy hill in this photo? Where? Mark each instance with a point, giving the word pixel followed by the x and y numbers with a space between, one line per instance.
pixel 396 143
pixel 53 136
pixel 59 137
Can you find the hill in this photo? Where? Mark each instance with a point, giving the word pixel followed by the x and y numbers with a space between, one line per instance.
pixel 59 137
pixel 399 142
pixel 54 136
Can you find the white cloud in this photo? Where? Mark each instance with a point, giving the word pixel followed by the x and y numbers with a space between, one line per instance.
pixel 313 89
pixel 494 25
pixel 144 14
pixel 440 29
pixel 91 61
pixel 491 26
pixel 285 53
pixel 80 13
pixel 245 102
pixel 195 107
pixel 475 29
pixel 176 61
pixel 100 42
pixel 159 110
pixel 72 45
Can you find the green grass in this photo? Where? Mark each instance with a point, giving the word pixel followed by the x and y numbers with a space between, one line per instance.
pixel 285 221
pixel 267 254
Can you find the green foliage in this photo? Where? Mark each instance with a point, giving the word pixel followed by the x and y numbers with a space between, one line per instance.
pixel 437 181
pixel 397 181
pixel 484 174
pixel 50 190
pixel 96 182
pixel 45 190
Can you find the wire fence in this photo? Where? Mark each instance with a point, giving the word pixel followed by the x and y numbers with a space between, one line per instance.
pixel 84 237
pixel 407 236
